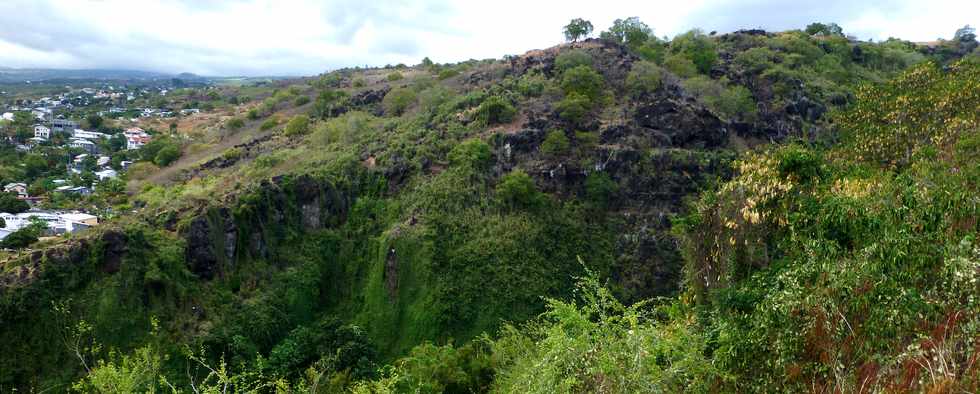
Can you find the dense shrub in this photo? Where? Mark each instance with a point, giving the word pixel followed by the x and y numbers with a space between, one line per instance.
pixel 472 152
pixel 167 155
pixel 729 102
pixel 516 190
pixel 582 80
pixel 555 143
pixel 269 123
pixel 397 101
pixel 395 76
pixel 301 100
pixel 644 78
pixel 235 123
pixel 600 188
pixel 9 203
pixel 298 125
pixel 697 47
pixel 574 107
pixel 570 59
pixel 495 110
pixel 680 66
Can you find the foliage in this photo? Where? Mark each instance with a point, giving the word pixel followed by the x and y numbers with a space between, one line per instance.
pixel 9 203
pixel 472 152
pixel 298 125
pixel 825 29
pixel 269 123
pixel 235 123
pixel 516 190
pixel 728 102
pixel 394 76
pixel 569 59
pixel 933 108
pixel 644 78
pixel 495 110
pixel 25 236
pixel 166 155
pixel 398 100
pixel 577 29
pixel 680 66
pixel 698 48
pixel 555 143
pixel 574 107
pixel 582 80
pixel 630 32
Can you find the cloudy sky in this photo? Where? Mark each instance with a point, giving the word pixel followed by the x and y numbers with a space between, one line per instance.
pixel 296 37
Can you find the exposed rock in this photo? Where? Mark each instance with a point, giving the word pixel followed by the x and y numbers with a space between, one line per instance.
pixel 685 124
pixel 200 254
pixel 391 274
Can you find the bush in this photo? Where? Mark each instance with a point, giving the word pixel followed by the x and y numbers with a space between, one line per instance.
pixel 298 125
pixel 574 107
pixel 697 47
pixel 495 110
pixel 235 123
pixel 680 66
pixel 397 101
pixel 729 102
pixel 167 155
pixel 9 203
pixel 301 100
pixel 472 152
pixel 358 82
pixel 24 237
pixel 599 188
pixel 231 154
pixel 531 84
pixel 252 114
pixel 269 123
pixel 644 78
pixel 572 58
pixel 582 80
pixel 447 73
pixel 555 144
pixel 395 76
pixel 516 189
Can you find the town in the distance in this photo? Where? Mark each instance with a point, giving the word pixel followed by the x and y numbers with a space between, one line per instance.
pixel 67 146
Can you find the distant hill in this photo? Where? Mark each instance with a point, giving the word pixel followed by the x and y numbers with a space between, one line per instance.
pixel 12 75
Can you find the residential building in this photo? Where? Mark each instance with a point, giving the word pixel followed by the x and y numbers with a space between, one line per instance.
pixel 82 143
pixel 63 125
pixel 42 132
pixel 136 138
pixel 19 188
pixel 106 174
pixel 89 135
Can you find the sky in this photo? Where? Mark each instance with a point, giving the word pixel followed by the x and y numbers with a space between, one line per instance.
pixel 307 37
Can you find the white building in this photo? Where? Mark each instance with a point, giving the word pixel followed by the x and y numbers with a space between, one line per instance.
pixel 136 138
pixel 106 174
pixel 58 223
pixel 82 143
pixel 89 135
pixel 42 132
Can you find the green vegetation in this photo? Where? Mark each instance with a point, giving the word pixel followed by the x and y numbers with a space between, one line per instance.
pixel 577 29
pixel 587 227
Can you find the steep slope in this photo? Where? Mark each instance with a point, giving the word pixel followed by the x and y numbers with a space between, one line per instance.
pixel 406 205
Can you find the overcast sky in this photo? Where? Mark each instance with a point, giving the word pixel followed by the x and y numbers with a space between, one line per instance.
pixel 280 37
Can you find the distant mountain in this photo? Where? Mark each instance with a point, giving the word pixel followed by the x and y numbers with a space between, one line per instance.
pixel 11 75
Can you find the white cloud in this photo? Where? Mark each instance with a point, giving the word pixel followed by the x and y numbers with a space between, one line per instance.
pixel 305 37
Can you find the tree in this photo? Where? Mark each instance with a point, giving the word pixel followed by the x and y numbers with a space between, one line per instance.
pixel 167 155
pixel 94 121
pixel 630 31
pixel 965 34
pixel 582 80
pixel 830 29
pixel 26 235
pixel 576 29
pixel 9 203
pixel 397 101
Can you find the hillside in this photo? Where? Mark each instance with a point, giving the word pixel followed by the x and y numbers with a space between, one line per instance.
pixel 743 212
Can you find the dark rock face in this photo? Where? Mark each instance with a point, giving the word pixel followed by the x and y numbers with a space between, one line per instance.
pixel 201 258
pixel 369 97
pixel 114 244
pixel 684 124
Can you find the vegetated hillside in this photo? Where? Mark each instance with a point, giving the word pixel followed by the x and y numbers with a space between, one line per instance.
pixel 425 217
